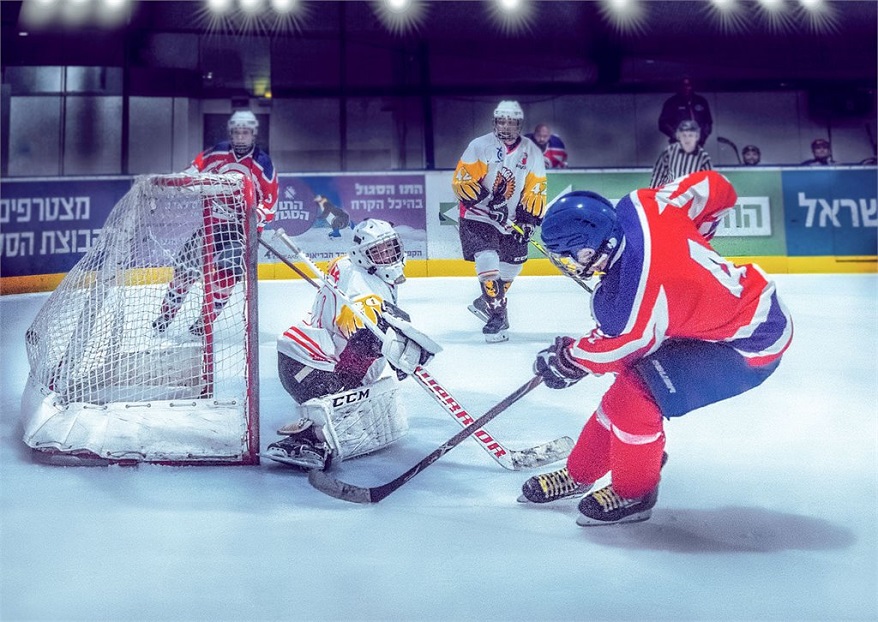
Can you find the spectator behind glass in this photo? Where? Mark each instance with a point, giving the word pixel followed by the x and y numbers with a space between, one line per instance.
pixel 554 151
pixel 822 154
pixel 682 157
pixel 751 155
pixel 685 105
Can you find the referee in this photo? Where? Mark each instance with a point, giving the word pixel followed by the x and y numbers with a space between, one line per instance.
pixel 682 157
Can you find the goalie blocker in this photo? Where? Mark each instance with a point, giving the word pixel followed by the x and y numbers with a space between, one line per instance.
pixel 342 426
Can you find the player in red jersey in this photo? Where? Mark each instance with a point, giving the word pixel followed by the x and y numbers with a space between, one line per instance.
pixel 679 325
pixel 240 154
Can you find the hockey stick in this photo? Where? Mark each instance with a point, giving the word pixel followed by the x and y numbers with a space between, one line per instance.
pixel 725 141
pixel 512 459
pixel 289 263
pixel 326 483
pixel 509 224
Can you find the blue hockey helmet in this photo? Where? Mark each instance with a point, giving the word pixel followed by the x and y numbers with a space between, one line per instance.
pixel 581 220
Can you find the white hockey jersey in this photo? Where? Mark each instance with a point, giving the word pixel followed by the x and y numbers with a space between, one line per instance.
pixel 490 173
pixel 319 339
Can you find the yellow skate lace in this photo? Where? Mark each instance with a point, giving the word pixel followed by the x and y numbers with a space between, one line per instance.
pixel 557 484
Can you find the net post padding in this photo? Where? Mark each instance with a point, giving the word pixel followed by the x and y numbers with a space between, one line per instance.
pixel 104 382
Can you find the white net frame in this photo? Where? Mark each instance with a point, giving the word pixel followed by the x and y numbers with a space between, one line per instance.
pixel 105 383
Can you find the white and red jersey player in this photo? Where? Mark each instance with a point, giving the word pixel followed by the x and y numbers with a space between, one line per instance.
pixel 255 164
pixel 320 341
pixel 680 326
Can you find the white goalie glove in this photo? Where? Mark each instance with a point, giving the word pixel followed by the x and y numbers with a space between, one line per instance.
pixel 405 347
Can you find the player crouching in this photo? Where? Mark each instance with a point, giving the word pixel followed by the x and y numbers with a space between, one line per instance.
pixel 679 325
pixel 336 368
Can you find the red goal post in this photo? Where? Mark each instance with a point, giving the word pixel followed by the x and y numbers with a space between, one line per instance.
pixel 108 383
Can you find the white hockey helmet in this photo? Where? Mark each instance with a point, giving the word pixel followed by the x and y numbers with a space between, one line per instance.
pixel 242 142
pixel 508 121
pixel 378 250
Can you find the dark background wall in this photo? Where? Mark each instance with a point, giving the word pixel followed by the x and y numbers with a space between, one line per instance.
pixel 341 88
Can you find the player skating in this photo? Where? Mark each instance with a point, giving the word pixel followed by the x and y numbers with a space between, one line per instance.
pixel 336 369
pixel 679 325
pixel 240 154
pixel 500 177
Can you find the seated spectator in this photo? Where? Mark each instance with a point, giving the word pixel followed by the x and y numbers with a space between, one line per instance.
pixel 751 155
pixel 682 157
pixel 822 152
pixel 554 152
pixel 685 105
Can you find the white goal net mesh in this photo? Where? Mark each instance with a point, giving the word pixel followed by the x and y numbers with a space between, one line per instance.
pixel 146 351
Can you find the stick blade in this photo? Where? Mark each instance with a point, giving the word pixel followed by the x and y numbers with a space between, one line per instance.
pixel 541 455
pixel 327 484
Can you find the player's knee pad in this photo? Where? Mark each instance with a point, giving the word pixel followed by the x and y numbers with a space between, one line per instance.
pixel 487 265
pixel 359 421
pixel 629 406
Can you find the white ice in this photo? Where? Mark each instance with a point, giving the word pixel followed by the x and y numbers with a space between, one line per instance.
pixel 768 507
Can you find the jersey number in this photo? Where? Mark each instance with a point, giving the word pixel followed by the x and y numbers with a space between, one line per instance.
pixel 728 274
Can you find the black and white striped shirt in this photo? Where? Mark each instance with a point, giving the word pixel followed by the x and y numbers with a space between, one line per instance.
pixel 674 163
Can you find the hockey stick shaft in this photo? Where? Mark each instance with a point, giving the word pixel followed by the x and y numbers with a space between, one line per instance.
pixel 325 483
pixel 508 459
pixel 289 263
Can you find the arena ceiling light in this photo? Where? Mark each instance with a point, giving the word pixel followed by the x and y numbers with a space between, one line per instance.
pixel 627 16
pixel 819 15
pixel 36 14
pixel 400 16
pixel 729 14
pixel 777 15
pixel 513 16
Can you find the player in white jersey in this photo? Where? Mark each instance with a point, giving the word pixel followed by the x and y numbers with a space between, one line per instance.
pixel 336 369
pixel 500 182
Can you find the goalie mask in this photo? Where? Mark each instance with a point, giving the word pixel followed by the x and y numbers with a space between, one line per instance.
pixel 508 121
pixel 378 250
pixel 242 131
pixel 582 233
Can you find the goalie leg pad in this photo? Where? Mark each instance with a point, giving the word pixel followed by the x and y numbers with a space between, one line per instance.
pixel 359 421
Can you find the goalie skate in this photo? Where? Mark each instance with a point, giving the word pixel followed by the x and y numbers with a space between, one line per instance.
pixel 300 451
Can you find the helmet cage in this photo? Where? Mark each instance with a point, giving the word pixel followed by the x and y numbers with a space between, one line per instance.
pixel 379 250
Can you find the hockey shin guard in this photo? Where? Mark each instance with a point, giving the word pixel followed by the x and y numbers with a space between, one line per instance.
pixel 590 458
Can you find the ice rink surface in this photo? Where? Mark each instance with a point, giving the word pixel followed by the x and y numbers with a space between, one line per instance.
pixel 768 508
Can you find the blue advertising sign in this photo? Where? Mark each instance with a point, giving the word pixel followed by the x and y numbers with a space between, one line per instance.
pixel 46 226
pixel 831 212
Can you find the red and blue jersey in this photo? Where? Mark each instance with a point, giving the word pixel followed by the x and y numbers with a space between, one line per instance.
pixel 256 164
pixel 667 282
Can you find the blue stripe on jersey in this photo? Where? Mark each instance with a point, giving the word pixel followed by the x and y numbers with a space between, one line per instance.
pixel 615 297
pixel 767 334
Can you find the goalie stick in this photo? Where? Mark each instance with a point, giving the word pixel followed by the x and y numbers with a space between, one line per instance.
pixel 326 483
pixel 512 459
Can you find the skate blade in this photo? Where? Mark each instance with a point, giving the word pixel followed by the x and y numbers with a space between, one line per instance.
pixel 497 337
pixel 584 521
pixel 478 313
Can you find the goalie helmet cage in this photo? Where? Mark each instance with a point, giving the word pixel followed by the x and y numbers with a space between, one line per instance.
pixel 105 385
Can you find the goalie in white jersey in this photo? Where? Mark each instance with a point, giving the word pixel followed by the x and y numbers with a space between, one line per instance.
pixel 500 182
pixel 336 368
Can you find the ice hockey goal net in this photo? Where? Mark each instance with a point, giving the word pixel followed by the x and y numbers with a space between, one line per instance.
pixel 147 350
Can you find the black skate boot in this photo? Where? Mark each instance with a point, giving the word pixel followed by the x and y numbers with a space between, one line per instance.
pixel 301 447
pixel 479 308
pixel 607 507
pixel 495 329
pixel 551 487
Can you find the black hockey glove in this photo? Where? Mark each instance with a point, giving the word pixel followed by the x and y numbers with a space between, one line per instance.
pixel 556 367
pixel 522 232
pixel 526 222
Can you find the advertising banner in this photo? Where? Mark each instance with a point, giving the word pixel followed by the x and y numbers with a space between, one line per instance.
pixel 831 212
pixel 46 226
pixel 321 211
